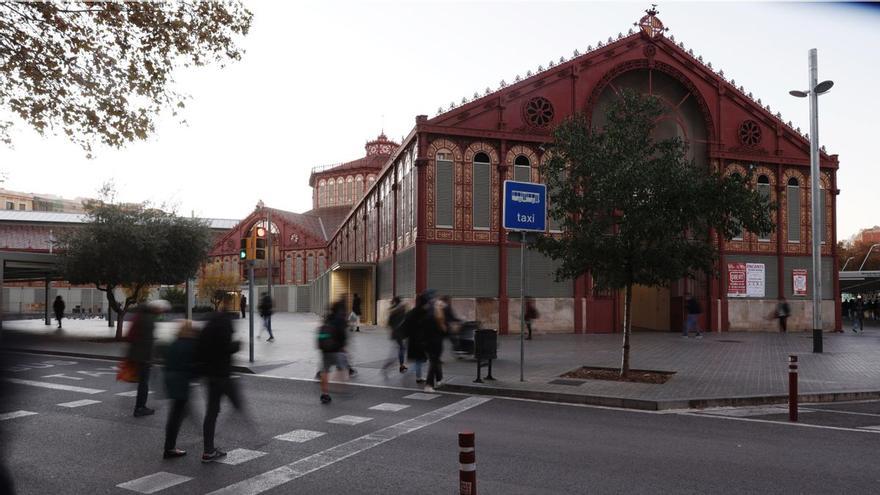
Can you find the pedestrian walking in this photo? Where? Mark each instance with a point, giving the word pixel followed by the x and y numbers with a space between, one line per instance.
pixel 179 372
pixel 783 311
pixel 693 314
pixel 331 342
pixel 435 331
pixel 266 314
pixel 396 315
pixel 858 315
pixel 140 352
pixel 242 304
pixel 356 312
pixel 530 316
pixel 214 355
pixel 416 337
pixel 58 307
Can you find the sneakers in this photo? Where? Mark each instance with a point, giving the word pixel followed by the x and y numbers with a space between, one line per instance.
pixel 214 455
pixel 325 398
pixel 420 381
pixel 429 388
pixel 403 368
pixel 143 411
pixel 438 384
pixel 169 454
pixel 699 336
pixel 352 372
pixel 270 339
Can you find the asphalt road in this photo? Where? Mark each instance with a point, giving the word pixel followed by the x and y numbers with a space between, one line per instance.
pixel 522 447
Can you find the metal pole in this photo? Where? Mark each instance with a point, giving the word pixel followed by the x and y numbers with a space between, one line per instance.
pixel 522 303
pixel 792 388
pixel 269 249
pixel 866 256
pixel 189 298
pixel 251 310
pixel 846 263
pixel 815 213
pixel 46 306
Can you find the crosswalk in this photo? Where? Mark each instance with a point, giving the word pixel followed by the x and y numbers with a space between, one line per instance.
pixel 334 444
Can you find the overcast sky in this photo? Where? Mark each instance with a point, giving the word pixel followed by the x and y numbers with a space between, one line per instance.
pixel 321 78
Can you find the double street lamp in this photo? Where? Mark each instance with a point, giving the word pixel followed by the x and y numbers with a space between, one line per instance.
pixel 815 89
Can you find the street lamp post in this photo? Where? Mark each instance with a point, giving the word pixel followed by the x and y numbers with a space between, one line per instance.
pixel 815 89
pixel 866 256
pixel 846 263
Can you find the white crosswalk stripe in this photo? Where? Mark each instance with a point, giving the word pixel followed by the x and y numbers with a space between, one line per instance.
pixel 132 393
pixel 15 414
pixel 54 386
pixel 349 420
pixel 300 436
pixel 79 403
pixel 240 456
pixel 387 406
pixel 154 482
pixel 421 396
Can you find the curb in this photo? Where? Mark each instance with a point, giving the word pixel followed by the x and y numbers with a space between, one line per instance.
pixel 85 355
pixel 660 405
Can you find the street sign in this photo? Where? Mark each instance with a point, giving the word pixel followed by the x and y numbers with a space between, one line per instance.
pixel 525 206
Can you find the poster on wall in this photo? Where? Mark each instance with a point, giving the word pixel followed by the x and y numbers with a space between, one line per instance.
pixel 736 280
pixel 755 280
pixel 799 281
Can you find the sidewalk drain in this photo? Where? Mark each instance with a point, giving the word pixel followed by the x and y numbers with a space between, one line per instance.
pixel 730 341
pixel 574 383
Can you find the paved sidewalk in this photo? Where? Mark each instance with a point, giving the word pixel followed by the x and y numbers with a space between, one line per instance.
pixel 721 369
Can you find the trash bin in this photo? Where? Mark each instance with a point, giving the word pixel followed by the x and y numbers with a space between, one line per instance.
pixel 486 343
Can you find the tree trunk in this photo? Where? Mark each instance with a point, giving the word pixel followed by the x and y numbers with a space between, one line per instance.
pixel 627 327
pixel 120 312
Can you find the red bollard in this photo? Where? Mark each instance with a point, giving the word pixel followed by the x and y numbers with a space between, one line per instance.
pixel 467 459
pixel 792 388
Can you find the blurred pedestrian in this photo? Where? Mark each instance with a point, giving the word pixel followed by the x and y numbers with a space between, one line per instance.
pixel 396 315
pixel 214 355
pixel 140 352
pixel 435 332
pixel 331 342
pixel 179 372
pixel 266 314
pixel 5 398
pixel 693 314
pixel 242 304
pixel 58 307
pixel 416 337
pixel 783 311
pixel 356 312
pixel 858 315
pixel 530 316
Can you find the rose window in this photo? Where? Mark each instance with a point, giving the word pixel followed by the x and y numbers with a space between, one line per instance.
pixel 749 133
pixel 538 111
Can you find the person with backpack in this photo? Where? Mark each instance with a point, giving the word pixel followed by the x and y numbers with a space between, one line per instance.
pixel 266 314
pixel 396 315
pixel 179 372
pixel 693 314
pixel 331 343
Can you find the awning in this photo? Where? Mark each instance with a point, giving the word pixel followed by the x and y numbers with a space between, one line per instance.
pixel 20 266
pixel 860 281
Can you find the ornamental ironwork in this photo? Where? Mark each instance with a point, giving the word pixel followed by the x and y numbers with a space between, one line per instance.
pixel 538 111
pixel 749 133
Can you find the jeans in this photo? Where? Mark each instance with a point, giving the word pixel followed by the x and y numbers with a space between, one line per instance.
pixel 435 369
pixel 267 323
pixel 175 418
pixel 143 385
pixel 418 367
pixel 691 325
pixel 217 388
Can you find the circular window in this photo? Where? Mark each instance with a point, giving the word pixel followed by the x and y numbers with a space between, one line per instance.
pixel 749 133
pixel 538 111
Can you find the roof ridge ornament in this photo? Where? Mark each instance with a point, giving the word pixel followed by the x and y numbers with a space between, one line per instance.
pixel 650 24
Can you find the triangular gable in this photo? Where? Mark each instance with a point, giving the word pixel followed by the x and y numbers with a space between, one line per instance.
pixel 569 86
pixel 288 223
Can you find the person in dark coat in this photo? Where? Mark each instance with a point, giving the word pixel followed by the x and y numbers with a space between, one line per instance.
pixel 693 315
pixel 435 329
pixel 416 337
pixel 530 316
pixel 396 315
pixel 214 355
pixel 858 315
pixel 333 349
pixel 266 314
pixel 356 310
pixel 179 372
pixel 58 307
pixel 140 334
pixel 783 311
pixel 242 305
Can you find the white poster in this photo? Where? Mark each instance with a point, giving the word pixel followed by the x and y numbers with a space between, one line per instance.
pixel 755 281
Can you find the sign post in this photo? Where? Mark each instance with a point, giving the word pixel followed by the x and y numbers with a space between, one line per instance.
pixel 250 265
pixel 525 210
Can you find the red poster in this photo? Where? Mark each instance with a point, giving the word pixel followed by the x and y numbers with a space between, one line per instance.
pixel 736 280
pixel 799 281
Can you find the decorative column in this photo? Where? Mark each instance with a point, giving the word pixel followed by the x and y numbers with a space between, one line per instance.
pixel 502 244
pixel 421 218
pixel 835 275
pixel 394 203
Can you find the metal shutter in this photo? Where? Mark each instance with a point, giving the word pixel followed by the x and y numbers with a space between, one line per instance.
pixel 540 275
pixel 481 194
pixel 443 200
pixel 463 271
pixel 383 276
pixel 406 273
pixel 794 213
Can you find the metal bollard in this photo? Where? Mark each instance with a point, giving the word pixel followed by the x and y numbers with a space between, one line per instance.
pixel 467 459
pixel 792 388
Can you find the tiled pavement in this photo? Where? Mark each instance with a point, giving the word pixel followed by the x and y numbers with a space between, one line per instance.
pixel 722 366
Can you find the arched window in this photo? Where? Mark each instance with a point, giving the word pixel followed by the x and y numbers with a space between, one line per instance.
pixel 764 191
pixel 482 191
pixel 793 191
pixel 349 184
pixel 522 169
pixel 359 186
pixel 738 232
pixel 298 271
pixel 444 189
pixel 331 192
pixel 322 193
pixel 310 268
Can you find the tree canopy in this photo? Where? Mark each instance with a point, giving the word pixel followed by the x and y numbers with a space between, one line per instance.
pixel 133 247
pixel 103 71
pixel 634 209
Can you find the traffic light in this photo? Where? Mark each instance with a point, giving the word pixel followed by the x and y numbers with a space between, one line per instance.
pixel 243 253
pixel 260 251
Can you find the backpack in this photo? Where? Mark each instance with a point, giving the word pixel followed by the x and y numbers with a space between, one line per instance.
pixel 327 338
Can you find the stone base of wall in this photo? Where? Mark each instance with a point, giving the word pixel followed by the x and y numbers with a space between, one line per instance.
pixel 556 314
pixel 755 315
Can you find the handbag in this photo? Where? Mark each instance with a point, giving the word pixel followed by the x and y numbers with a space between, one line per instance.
pixel 128 372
